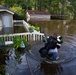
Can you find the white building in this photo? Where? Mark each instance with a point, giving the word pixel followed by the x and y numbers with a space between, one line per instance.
pixel 34 15
pixel 6 20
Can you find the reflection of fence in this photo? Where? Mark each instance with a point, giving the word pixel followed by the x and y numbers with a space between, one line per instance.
pixel 27 36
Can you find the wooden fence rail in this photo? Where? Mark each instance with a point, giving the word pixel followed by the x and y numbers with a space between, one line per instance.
pixel 28 36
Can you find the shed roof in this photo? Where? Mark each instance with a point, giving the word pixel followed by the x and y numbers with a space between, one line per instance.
pixel 2 8
pixel 33 12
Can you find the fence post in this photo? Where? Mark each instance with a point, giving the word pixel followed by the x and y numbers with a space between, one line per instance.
pixel 33 37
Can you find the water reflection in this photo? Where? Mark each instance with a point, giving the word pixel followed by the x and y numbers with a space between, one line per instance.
pixel 62 27
pixel 3 55
pixel 51 69
pixel 16 61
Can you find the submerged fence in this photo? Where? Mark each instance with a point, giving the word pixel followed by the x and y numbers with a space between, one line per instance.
pixel 28 36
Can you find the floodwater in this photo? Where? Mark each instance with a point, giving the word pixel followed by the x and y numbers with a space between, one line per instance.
pixel 29 63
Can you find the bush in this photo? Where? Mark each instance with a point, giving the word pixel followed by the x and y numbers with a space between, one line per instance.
pixel 31 27
pixel 18 11
pixel 37 28
pixel 17 42
pixel 34 28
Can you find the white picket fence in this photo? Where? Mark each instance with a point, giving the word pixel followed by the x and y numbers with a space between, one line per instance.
pixel 28 36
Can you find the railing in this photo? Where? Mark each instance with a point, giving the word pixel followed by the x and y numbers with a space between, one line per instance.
pixel 28 36
pixel 21 23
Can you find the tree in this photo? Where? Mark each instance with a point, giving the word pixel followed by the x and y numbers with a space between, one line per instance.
pixel 62 7
pixel 18 10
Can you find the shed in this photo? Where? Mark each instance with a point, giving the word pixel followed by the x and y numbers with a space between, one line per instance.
pixel 6 19
pixel 34 15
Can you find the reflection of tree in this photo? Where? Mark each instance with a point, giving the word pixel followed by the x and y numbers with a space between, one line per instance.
pixel 50 69
pixel 3 55
pixel 17 56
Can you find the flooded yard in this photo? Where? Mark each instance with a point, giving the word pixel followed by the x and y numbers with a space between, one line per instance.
pixel 29 62
pixel 13 62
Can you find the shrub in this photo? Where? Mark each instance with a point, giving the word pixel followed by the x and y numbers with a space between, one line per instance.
pixel 17 42
pixel 31 27
pixel 37 28
pixel 18 11
pixel 34 28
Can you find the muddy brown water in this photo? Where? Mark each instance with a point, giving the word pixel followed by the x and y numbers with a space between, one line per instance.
pixel 17 64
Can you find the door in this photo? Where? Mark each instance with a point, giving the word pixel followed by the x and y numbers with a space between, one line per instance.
pixel 6 21
pixel 6 24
